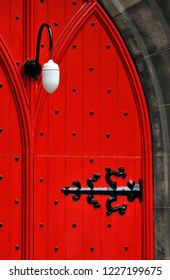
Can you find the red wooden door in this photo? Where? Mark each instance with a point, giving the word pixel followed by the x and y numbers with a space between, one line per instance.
pixel 97 118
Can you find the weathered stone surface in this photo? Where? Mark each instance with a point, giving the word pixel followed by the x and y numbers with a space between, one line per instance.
pixel 162 192
pixel 164 8
pixel 162 229
pixel 125 27
pixel 150 28
pixel 160 63
pixel 116 7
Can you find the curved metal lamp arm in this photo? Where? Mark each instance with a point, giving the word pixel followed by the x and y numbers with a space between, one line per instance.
pixel 39 39
pixel 32 67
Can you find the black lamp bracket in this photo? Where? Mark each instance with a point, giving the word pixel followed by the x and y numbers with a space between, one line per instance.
pixel 32 66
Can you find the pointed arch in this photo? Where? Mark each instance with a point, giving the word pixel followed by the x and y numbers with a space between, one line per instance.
pixel 72 29
pixel 69 33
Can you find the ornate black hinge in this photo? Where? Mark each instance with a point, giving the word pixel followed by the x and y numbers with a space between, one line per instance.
pixel 131 190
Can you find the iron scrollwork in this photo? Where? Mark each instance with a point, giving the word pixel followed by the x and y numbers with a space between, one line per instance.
pixel 90 197
pixel 131 190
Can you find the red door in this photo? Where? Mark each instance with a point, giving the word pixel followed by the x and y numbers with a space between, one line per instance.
pixel 96 119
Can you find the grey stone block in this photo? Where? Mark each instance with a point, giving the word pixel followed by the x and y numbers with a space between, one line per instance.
pixel 162 229
pixel 161 64
pixel 161 181
pixel 152 31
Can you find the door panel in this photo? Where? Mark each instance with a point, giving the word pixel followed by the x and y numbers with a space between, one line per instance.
pixel 11 189
pixel 90 123
pixel 74 229
pixel 97 118
pixel 11 207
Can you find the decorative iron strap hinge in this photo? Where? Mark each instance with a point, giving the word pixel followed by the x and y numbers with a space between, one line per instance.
pixel 131 190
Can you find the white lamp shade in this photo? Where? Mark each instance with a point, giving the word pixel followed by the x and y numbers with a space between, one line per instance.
pixel 50 76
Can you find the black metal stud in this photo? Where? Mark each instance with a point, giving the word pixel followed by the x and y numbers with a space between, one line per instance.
pixel 1 129
pixel 56 23
pixel 108 46
pixel 56 111
pixel 107 135
pixel 91 159
pixel 17 247
pixel 92 23
pixel 41 180
pixel 42 1
pixel 109 225
pixel 17 63
pixel 55 202
pixel 17 158
pixel 17 17
pixel 126 113
pixel 56 249
pixel 1 85
pixel 41 225
pixel 74 133
pixel 91 68
pixel 1 225
pixel 74 3
pixel 41 133
pixel 74 225
pixel 16 201
pixel 91 248
pixel 109 90
pixel 1 177
pixel 91 113
pixel 126 248
pixel 42 45
pixel 74 46
pixel 74 89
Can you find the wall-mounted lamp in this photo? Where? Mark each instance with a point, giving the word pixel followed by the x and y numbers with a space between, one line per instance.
pixel 50 70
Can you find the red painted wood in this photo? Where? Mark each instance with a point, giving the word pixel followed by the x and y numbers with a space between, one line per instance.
pixel 98 117
pixel 12 200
